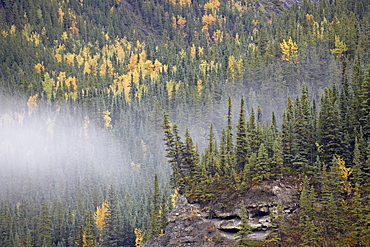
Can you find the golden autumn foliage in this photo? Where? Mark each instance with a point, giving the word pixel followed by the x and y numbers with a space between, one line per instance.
pixel 234 67
pixel 139 237
pixel 60 16
pixel 174 198
pixel 39 67
pixel 73 28
pixel 345 173
pixel 309 17
pixel 212 5
pixel 208 20
pixel 178 21
pixel 193 51
pixel 199 86
pixel 181 2
pixel 171 87
pixel 340 47
pixel 218 36
pixel 100 215
pixel 289 49
pixel 32 103
pixel 107 119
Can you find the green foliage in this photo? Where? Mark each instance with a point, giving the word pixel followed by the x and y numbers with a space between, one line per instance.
pixel 242 235
pixel 118 64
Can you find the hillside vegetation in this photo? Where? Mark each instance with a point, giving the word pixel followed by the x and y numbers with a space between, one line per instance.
pixel 252 90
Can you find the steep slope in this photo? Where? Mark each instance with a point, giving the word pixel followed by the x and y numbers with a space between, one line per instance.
pixel 192 224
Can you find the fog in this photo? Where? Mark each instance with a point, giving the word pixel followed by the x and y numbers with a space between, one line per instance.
pixel 54 152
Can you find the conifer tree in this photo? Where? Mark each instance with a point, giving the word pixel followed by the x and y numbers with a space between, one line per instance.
pixel 242 146
pixel 245 230
pixel 310 232
pixel 44 226
pixel 155 229
pixel 364 106
pixel 329 126
pixel 190 161
pixel 112 225
pixel 88 236
pixel 211 158
pixel 287 136
pixel 229 146
pixel 254 134
pixel 361 170
pixel 174 149
pixel 262 170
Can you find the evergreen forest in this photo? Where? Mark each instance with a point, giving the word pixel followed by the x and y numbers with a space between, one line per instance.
pixel 112 109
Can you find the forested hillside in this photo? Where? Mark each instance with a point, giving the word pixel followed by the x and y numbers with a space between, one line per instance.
pixel 252 90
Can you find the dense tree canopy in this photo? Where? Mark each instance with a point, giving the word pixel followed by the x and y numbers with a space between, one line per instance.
pixel 83 88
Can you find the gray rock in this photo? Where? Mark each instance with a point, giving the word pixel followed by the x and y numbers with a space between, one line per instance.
pixel 192 224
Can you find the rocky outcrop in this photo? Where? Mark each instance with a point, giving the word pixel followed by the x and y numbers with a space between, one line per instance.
pixel 192 224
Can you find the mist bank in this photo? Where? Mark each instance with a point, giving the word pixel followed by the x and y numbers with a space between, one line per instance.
pixel 50 151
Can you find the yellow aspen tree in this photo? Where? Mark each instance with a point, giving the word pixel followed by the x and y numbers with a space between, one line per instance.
pixel 60 16
pixel 133 62
pixel 64 36
pixel 174 22
pixel 107 119
pixel 181 21
pixel 340 47
pixel 120 52
pixel 32 103
pixel 71 83
pixel 87 69
pixel 70 58
pixel 232 67
pixel 73 27
pixel 58 58
pixel 139 237
pixel 184 2
pixel 174 198
pixel 174 69
pixel 200 86
pixel 39 67
pixel 12 30
pixel 208 20
pixel 79 60
pixel 193 51
pixel 212 5
pixel 100 215
pixel 217 36
pixel 200 52
pixel 203 66
pixel 103 68
pixel 158 66
pixel 309 17
pixel 345 173
pixel 289 49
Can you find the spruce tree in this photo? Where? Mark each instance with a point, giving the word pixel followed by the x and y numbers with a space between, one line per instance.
pixel 310 232
pixel 155 228
pixel 245 229
pixel 112 226
pixel 287 136
pixel 88 236
pixel 329 127
pixel 242 146
pixel 44 226
pixel 262 169
pixel 364 106
pixel 190 161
